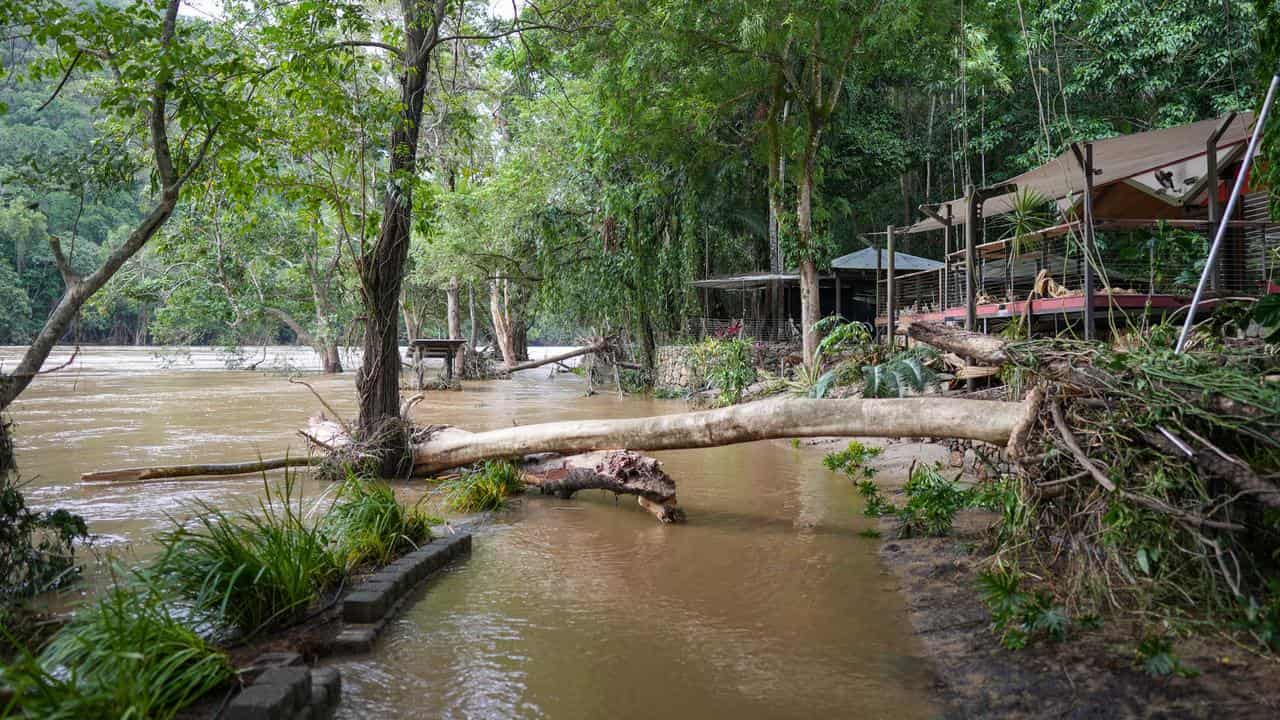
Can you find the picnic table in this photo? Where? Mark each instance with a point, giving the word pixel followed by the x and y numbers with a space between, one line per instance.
pixel 423 348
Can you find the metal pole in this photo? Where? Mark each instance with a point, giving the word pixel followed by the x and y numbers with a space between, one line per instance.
pixel 893 287
pixel 970 269
pixel 876 246
pixel 946 261
pixel 1226 214
pixel 1088 242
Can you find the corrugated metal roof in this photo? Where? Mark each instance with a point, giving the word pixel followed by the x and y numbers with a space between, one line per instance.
pixel 1115 159
pixel 865 259
pixel 745 282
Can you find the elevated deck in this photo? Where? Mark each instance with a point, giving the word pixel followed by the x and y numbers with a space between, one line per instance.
pixel 1040 307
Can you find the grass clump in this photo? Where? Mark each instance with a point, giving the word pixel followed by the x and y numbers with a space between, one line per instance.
pixel 127 655
pixel 250 570
pixel 729 364
pixel 483 489
pixel 368 525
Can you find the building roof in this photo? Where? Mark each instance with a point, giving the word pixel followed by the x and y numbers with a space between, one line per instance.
pixel 865 259
pixel 1178 150
pixel 748 281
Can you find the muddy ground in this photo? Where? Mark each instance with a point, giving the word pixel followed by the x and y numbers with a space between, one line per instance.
pixel 1092 674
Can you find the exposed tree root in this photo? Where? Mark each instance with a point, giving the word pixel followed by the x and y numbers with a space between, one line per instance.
pixel 621 472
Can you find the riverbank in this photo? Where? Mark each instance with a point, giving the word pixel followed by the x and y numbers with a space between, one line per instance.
pixel 1093 673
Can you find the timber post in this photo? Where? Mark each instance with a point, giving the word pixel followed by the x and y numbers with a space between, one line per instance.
pixel 892 287
pixel 1085 159
pixel 1211 180
pixel 972 214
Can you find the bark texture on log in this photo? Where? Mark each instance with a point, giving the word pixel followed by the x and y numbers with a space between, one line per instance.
pixel 621 472
pixel 987 421
pixel 974 346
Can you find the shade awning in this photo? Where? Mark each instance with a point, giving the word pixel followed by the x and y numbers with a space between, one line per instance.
pixel 1115 159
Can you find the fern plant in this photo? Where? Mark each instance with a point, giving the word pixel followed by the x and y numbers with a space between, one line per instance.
pixel 897 378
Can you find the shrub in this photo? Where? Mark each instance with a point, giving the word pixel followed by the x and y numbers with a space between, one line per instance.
pixel 36 548
pixel 852 460
pixel 875 504
pixel 932 503
pixel 250 570
pixel 1020 617
pixel 124 656
pixel 368 525
pixel 485 488
pixel 729 365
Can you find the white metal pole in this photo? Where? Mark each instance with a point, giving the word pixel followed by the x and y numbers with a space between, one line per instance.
pixel 1225 221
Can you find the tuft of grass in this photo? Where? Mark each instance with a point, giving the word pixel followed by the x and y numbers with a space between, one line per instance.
pixel 368 525
pixel 485 488
pixel 127 655
pixel 250 570
pixel 870 533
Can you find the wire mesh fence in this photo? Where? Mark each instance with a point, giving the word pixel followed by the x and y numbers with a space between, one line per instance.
pixel 1163 259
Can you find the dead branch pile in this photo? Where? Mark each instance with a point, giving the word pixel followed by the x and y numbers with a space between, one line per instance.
pixel 1148 480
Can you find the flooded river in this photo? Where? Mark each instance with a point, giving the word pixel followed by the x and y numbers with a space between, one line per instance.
pixel 765 605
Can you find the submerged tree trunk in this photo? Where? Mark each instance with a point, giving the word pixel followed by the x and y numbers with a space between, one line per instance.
pixel 810 297
pixel 474 330
pixel 501 323
pixel 531 364
pixel 381 267
pixel 454 320
pixel 989 421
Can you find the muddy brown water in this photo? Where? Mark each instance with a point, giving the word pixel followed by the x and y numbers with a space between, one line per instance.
pixel 766 604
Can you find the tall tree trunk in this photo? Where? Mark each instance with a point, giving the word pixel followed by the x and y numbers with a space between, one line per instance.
pixel 473 331
pixel 453 317
pixel 381 267
pixel 810 299
pixel 330 358
pixel 501 323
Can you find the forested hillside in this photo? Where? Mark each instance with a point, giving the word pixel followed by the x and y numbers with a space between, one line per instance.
pixel 589 168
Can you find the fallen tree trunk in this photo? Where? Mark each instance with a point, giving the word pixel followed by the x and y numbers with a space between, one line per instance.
pixel 989 421
pixel 593 348
pixel 621 472
pixel 179 471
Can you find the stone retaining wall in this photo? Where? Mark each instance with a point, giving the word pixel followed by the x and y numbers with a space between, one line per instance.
pixel 366 609
pixel 281 687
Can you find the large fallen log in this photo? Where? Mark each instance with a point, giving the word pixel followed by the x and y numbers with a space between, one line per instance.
pixel 596 347
pixel 140 474
pixel 989 421
pixel 621 472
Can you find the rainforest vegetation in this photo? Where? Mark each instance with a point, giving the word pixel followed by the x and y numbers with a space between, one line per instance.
pixel 342 174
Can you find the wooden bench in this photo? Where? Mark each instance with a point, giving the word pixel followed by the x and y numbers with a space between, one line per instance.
pixel 424 348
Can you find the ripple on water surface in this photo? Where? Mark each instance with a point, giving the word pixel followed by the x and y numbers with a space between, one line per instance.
pixel 765 605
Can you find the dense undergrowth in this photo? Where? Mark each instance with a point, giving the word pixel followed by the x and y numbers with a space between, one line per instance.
pixel 152 643
pixel 1145 493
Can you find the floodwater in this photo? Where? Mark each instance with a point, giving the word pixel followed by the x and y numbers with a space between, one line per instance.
pixel 766 604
